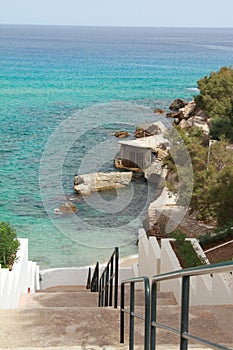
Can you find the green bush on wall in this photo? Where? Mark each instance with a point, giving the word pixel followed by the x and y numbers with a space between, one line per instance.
pixel 186 251
pixel 9 245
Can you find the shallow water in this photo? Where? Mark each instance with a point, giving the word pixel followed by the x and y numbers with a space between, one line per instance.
pixel 64 92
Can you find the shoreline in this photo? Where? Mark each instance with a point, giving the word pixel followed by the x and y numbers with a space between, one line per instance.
pixel 128 261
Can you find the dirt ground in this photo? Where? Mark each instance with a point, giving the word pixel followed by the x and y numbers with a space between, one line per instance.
pixel 221 254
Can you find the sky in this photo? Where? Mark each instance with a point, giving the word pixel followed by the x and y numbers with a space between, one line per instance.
pixel 178 13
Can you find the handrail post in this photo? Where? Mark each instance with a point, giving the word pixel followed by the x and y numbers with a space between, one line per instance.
pixel 100 287
pixel 94 285
pixel 116 276
pixel 153 315
pixel 108 281
pixel 131 311
pixel 111 281
pixel 122 314
pixel 106 286
pixel 97 276
pixel 131 318
pixel 184 312
pixel 147 314
pixel 88 285
pixel 102 292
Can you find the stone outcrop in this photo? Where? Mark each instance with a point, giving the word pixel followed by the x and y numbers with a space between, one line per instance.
pixel 201 120
pixel 87 183
pixel 189 116
pixel 147 130
pixel 174 114
pixel 189 110
pixel 177 104
pixel 67 207
pixel 121 134
pixel 159 111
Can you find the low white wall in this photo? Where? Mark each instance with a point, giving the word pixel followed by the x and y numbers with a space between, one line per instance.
pixel 169 262
pixel 74 276
pixel 23 277
pixel 148 255
pixel 63 277
pixel 214 289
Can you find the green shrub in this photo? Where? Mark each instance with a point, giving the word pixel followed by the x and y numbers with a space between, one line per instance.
pixel 221 127
pixel 9 245
pixel 185 251
pixel 216 100
pixel 216 236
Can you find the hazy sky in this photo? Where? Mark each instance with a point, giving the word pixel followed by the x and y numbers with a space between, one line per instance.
pixel 194 13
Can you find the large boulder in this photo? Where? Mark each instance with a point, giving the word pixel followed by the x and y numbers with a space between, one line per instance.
pixel 189 110
pixel 177 104
pixel 67 207
pixel 201 120
pixel 175 115
pixel 121 134
pixel 159 111
pixel 186 123
pixel 156 128
pixel 87 183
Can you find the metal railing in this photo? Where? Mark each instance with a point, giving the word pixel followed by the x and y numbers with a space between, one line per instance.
pixel 150 313
pixel 88 284
pixel 185 336
pixel 108 282
pixel 93 282
pixel 95 279
pixel 131 311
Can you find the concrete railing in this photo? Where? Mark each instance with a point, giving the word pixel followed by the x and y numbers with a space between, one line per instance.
pixel 205 290
pixel 23 278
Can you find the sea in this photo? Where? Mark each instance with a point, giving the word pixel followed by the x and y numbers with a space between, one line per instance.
pixel 64 92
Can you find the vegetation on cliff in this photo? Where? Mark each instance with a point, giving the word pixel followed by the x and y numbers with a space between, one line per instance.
pixel 216 99
pixel 212 160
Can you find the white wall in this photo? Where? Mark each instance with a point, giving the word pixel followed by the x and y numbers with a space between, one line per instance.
pixel 214 289
pixel 169 262
pixel 23 276
pixel 74 276
pixel 148 255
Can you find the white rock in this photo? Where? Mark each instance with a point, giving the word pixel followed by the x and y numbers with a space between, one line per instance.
pixel 87 183
pixel 188 110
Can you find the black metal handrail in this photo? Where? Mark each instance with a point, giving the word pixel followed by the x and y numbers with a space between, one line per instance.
pixel 185 336
pixel 88 284
pixel 108 282
pixel 95 279
pixel 132 314
pixel 93 282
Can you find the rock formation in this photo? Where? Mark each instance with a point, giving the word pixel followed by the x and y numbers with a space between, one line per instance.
pixel 67 207
pixel 121 134
pixel 147 130
pixel 159 111
pixel 177 104
pixel 189 116
pixel 87 183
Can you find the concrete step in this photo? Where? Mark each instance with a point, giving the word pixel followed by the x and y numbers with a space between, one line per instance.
pixel 91 347
pixel 56 326
pixel 68 288
pixel 73 296
pixel 59 299
pixel 164 298
pixel 90 327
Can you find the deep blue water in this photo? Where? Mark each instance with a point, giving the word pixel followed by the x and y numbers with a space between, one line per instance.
pixel 95 81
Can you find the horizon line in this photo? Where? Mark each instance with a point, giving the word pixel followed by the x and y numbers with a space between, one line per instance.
pixel 113 26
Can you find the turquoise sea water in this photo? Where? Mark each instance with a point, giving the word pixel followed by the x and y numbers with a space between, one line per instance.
pixel 63 93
